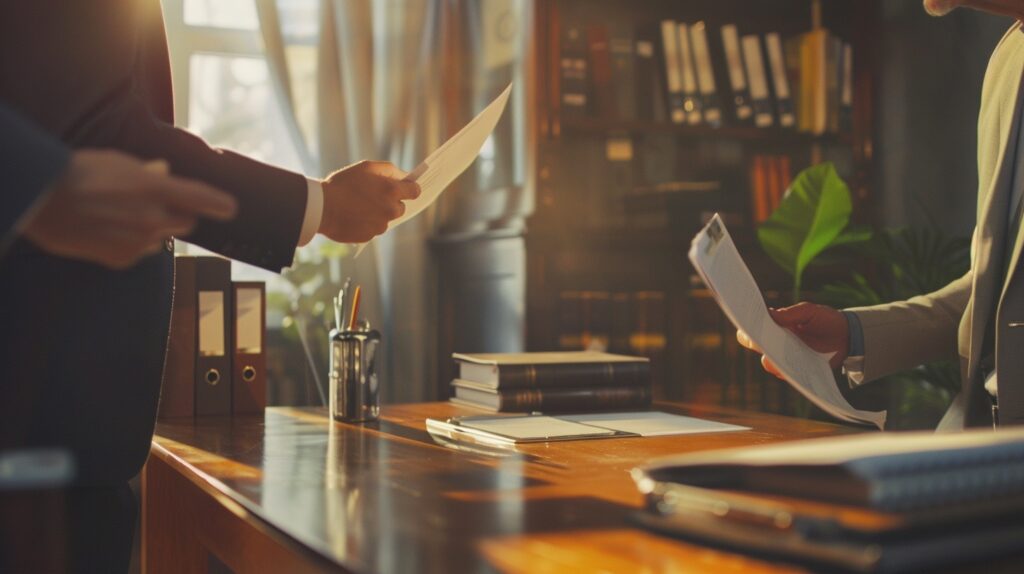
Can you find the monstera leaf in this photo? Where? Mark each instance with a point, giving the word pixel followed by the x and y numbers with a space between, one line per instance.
pixel 812 217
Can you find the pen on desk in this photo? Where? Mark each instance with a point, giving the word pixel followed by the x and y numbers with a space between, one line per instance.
pixel 355 308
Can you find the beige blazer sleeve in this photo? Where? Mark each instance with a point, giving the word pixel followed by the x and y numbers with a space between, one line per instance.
pixel 904 334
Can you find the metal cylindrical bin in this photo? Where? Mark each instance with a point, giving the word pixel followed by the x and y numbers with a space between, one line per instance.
pixel 354 387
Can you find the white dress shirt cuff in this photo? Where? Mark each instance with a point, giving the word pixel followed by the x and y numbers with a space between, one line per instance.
pixel 314 211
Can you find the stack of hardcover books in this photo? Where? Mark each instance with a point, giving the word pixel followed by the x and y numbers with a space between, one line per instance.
pixel 552 382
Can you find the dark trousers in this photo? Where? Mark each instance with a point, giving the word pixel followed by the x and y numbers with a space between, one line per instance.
pixel 80 530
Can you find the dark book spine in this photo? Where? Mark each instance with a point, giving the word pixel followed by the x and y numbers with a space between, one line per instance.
pixel 579 399
pixel 573 65
pixel 575 375
pixel 601 70
pixel 622 47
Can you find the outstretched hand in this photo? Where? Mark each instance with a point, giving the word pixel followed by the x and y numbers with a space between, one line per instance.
pixel 361 199
pixel 822 328
pixel 113 209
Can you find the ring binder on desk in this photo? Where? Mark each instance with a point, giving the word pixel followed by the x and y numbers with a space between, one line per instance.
pixel 213 362
pixel 249 380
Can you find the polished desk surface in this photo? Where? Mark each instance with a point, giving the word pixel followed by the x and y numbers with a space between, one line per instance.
pixel 386 497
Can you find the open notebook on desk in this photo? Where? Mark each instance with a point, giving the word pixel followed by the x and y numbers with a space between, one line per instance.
pixel 544 428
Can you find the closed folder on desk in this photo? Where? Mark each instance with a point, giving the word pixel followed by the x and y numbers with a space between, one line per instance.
pixel 249 381
pixel 213 362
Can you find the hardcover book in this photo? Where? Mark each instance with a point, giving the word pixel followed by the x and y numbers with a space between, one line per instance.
pixel 564 399
pixel 568 369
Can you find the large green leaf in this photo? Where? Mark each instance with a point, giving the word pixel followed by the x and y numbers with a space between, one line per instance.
pixel 810 218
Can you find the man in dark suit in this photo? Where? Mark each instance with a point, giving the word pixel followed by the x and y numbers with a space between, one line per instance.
pixel 86 263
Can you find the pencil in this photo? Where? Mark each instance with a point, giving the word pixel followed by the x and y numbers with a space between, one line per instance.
pixel 355 309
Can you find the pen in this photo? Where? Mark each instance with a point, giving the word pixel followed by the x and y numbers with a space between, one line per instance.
pixel 355 308
pixel 339 312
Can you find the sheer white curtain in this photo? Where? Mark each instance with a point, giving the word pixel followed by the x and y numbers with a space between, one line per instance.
pixel 379 97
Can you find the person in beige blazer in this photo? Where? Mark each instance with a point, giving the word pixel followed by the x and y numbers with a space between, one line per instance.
pixel 980 316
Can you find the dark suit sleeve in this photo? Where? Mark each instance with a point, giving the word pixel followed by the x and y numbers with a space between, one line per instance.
pixel 271 201
pixel 30 161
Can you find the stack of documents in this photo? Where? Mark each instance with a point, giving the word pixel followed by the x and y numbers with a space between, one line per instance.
pixel 715 257
pixel 873 502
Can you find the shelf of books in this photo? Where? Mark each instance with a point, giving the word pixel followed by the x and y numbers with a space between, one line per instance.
pixel 655 115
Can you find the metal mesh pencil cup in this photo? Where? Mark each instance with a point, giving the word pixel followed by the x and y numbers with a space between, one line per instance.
pixel 355 390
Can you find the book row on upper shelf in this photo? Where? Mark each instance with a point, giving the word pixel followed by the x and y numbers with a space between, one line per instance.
pixel 692 74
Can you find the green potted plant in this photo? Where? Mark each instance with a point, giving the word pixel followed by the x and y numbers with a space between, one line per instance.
pixel 812 225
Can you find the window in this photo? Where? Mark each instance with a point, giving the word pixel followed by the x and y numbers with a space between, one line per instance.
pixel 222 84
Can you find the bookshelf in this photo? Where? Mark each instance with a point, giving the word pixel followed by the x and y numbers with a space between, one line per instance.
pixel 606 250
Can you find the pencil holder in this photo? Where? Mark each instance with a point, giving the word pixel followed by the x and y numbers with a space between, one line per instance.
pixel 355 389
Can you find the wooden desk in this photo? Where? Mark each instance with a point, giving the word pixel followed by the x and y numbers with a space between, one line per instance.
pixel 294 492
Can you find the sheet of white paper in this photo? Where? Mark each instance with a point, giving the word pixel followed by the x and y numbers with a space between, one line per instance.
pixel 652 423
pixel 447 162
pixel 715 257
pixel 534 427
pixel 839 450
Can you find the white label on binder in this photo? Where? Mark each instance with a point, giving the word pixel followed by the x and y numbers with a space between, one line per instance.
pixel 211 324
pixel 686 61
pixel 248 320
pixel 731 42
pixel 674 81
pixel 758 80
pixel 705 73
pixel 778 66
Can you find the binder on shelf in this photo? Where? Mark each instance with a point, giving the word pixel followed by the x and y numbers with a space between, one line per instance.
pixel 691 98
pixel 737 74
pixel 759 96
pixel 621 45
pixel 177 395
pixel 673 72
pixel 249 362
pixel 846 97
pixel 814 89
pixel 213 360
pixel 650 92
pixel 780 81
pixel 833 82
pixel 601 70
pixel 574 72
pixel 759 200
pixel 705 75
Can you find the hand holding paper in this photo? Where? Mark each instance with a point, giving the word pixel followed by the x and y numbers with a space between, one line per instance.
pixel 447 162
pixel 715 257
